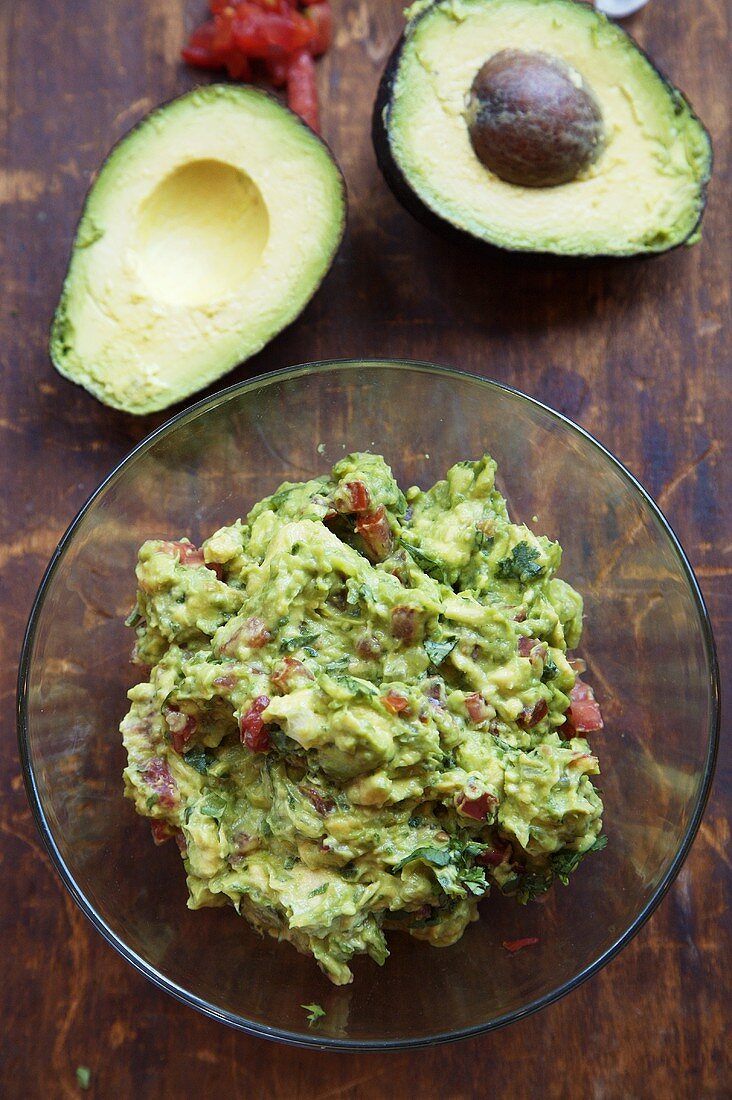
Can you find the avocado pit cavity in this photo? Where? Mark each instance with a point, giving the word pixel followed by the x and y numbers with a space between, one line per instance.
pixel 201 233
pixel 532 119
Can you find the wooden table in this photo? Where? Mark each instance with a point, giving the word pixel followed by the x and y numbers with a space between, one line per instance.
pixel 635 351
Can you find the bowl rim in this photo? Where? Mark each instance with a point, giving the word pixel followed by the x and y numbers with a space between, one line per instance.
pixel 302 1038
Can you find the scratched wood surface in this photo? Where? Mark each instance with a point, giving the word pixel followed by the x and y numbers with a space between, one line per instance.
pixel 637 352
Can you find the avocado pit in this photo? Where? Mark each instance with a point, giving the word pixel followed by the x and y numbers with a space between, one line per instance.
pixel 532 120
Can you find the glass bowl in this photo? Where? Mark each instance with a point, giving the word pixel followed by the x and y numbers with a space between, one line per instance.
pixel 647 641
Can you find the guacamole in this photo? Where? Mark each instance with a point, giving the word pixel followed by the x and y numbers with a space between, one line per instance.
pixel 360 714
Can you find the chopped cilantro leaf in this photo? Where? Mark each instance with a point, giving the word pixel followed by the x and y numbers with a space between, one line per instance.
pixel 297 641
pixel 318 890
pixel 599 844
pixel 550 670
pixel 315 1014
pixel 426 562
pixel 522 565
pixel 438 651
pixel 355 685
pixel 213 805
pixel 475 881
pixel 439 857
pixel 338 665
pixel 198 758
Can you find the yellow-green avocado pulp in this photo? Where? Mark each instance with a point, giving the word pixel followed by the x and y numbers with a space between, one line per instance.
pixel 359 712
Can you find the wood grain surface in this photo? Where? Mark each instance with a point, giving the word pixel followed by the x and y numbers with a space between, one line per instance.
pixel 636 351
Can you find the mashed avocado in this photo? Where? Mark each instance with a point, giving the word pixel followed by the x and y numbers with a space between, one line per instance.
pixel 360 714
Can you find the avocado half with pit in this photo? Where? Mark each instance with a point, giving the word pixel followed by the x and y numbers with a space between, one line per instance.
pixel 208 229
pixel 539 126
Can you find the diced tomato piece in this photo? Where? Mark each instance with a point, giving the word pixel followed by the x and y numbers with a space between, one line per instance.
pixel 373 527
pixel 321 18
pixel 478 808
pixel 368 647
pixel 252 633
pixel 476 707
pixel 162 831
pixel 405 622
pixel 188 554
pixel 181 726
pixel 244 843
pixel 498 853
pixel 252 730
pixel 157 775
pixel 255 634
pixel 512 946
pixel 200 49
pixel 223 35
pixel 531 716
pixel 359 494
pixel 290 670
pixel 262 34
pixel 302 98
pixel 395 702
pixel 227 681
pixel 323 804
pixel 276 70
pixel 584 715
pixel 525 645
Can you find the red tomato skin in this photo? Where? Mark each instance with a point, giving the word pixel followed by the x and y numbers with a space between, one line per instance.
pixel 302 92
pixel 252 730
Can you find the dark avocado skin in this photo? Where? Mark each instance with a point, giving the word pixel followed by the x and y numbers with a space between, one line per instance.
pixel 413 204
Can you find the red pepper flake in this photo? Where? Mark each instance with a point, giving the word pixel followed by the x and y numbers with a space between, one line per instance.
pixel 512 946
pixel 272 40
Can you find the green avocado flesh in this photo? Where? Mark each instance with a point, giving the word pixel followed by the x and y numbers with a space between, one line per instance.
pixel 643 192
pixel 207 230
pixel 360 714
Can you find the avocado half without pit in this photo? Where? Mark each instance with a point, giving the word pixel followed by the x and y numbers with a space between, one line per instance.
pixel 538 126
pixel 207 230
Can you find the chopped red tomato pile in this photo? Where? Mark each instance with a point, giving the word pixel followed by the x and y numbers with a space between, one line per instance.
pixel 271 40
